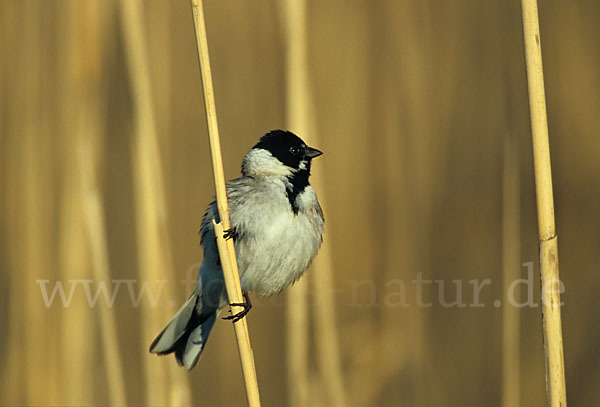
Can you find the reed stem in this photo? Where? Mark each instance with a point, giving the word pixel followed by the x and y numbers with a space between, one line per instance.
pixel 553 347
pixel 301 117
pixel 96 236
pixel 298 119
pixel 510 272
pixel 226 249
pixel 154 249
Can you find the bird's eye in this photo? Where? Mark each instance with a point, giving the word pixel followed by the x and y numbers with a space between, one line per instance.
pixel 294 150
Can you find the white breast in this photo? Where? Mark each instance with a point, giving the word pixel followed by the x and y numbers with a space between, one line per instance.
pixel 278 245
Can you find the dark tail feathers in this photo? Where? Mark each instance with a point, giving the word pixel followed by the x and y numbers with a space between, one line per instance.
pixel 185 334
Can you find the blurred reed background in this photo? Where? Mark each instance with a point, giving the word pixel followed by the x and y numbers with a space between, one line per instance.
pixel 421 110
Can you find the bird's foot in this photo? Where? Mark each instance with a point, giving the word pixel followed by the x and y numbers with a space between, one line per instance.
pixel 229 234
pixel 247 305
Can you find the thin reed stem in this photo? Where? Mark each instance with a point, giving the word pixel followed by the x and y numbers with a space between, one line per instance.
pixel 96 235
pixel 510 272
pixel 84 240
pixel 297 329
pixel 553 346
pixel 297 312
pixel 301 118
pixel 226 249
pixel 35 213
pixel 154 249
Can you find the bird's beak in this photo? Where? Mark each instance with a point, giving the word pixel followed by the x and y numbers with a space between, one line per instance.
pixel 312 152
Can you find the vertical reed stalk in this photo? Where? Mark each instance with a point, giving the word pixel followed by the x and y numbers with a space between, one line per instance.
pixel 297 318
pixel 226 248
pixel 297 329
pixel 35 212
pixel 96 236
pixel 510 263
pixel 154 251
pixel 81 31
pixel 553 347
pixel 301 118
pixel 13 122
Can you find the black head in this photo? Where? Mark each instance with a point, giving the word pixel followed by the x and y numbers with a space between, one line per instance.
pixel 280 153
pixel 287 148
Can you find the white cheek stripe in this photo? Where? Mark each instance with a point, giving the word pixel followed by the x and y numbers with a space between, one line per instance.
pixel 260 162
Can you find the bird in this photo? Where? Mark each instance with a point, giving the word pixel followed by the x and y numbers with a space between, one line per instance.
pixel 277 230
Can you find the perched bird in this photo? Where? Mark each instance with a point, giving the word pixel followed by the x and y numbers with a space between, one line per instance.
pixel 276 224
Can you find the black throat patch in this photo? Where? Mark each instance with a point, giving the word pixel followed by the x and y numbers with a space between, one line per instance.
pixel 298 183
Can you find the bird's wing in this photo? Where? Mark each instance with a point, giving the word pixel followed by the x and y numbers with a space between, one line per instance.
pixel 238 191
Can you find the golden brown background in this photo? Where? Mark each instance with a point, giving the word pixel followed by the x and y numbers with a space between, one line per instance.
pixel 421 109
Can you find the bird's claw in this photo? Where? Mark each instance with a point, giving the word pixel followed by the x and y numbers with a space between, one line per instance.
pixel 228 234
pixel 247 305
